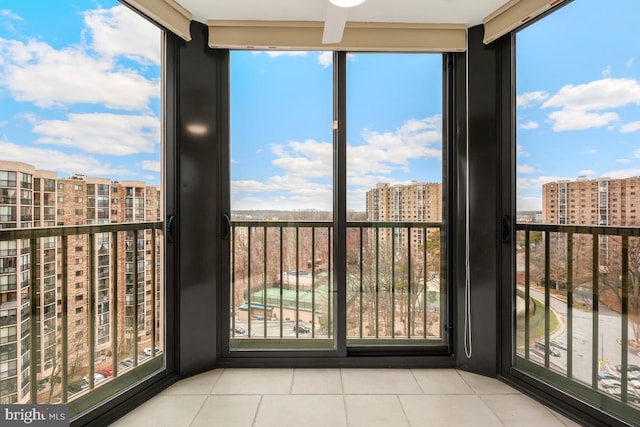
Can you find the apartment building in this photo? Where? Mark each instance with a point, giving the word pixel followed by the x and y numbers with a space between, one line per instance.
pixel 415 202
pixel 35 198
pixel 602 201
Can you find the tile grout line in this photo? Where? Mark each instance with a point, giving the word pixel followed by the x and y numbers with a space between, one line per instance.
pixel 406 417
pixel 413 374
pixel 293 376
pixel 344 410
pixel 216 382
pixel 199 409
pixel 255 416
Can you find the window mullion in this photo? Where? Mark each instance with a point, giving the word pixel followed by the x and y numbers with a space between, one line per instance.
pixel 340 197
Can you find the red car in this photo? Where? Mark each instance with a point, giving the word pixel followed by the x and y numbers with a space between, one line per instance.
pixel 106 372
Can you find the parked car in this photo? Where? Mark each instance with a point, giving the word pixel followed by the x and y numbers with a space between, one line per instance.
pixel 632 396
pixel 610 382
pixel 558 343
pixel 608 376
pixel 238 331
pixel 96 378
pixel 77 387
pixel 552 350
pixel 630 367
pixel 147 351
pixel 106 372
pixel 302 329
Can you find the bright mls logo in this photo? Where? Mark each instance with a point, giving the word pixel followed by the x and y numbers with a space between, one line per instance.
pixel 37 415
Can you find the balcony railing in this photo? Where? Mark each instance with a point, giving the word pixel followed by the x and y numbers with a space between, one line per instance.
pixel 578 311
pixel 82 368
pixel 283 286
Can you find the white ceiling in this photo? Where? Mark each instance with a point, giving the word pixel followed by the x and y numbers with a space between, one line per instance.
pixel 468 12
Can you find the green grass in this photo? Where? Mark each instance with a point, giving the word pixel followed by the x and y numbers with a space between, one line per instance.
pixel 536 324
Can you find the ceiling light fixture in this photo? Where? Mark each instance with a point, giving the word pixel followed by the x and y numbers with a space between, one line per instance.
pixel 347 3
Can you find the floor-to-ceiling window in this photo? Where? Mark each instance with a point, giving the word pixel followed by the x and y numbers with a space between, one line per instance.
pixel 394 199
pixel 288 195
pixel 578 120
pixel 281 200
pixel 82 293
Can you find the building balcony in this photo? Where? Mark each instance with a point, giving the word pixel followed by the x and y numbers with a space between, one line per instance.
pixel 87 365
pixel 283 284
pixel 578 317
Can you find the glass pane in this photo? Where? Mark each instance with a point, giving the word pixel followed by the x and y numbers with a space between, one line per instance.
pixel 395 292
pixel 281 200
pixel 81 146
pixel 577 118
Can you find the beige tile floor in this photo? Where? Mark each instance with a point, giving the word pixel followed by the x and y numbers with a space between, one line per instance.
pixel 341 397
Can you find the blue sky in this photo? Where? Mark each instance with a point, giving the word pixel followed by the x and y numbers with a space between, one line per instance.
pixel 578 88
pixel 83 95
pixel 80 95
pixel 281 126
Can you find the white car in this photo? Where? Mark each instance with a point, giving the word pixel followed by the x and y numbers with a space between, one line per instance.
pixel 96 378
pixel 147 351
pixel 609 382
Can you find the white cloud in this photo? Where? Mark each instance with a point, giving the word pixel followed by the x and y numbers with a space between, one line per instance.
pixel 278 53
pixel 626 160
pixel 46 159
pixel 630 127
pixel 326 59
pixel 587 172
pixel 102 133
pixel 151 165
pixel 585 106
pixel 579 119
pixel 529 99
pixel 307 166
pixel 606 72
pixel 119 32
pixel 630 62
pixel 537 182
pixel 8 14
pixel 524 169
pixel 520 152
pixel 310 159
pixel 385 152
pixel 593 151
pixel 530 125
pixel 528 203
pixel 28 117
pixel 36 72
pixel 596 95
pixel 623 173
pixel 281 192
